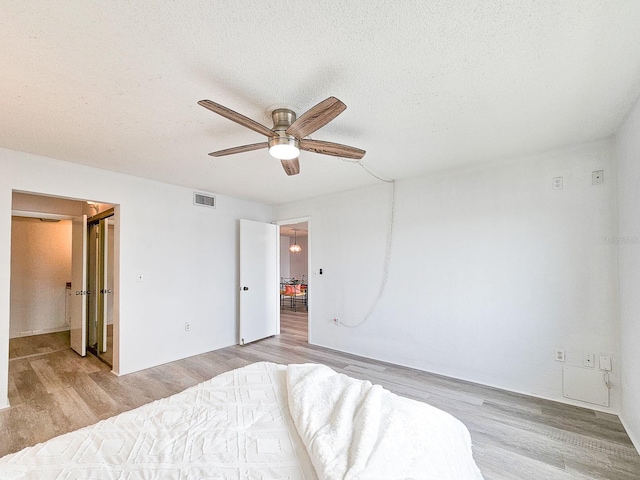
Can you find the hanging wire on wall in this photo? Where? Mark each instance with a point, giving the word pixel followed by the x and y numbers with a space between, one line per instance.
pixel 387 258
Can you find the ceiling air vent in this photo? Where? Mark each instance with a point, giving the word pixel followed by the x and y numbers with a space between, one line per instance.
pixel 204 200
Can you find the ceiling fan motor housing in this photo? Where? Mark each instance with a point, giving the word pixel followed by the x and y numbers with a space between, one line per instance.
pixel 282 119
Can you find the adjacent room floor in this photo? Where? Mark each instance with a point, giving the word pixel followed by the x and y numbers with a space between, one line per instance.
pixel 53 391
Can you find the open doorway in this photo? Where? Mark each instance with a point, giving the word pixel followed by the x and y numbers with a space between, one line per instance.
pixel 44 290
pixel 294 278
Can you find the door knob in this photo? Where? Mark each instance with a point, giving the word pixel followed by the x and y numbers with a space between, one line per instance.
pixel 245 288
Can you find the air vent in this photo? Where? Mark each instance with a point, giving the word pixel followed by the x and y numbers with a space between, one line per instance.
pixel 204 200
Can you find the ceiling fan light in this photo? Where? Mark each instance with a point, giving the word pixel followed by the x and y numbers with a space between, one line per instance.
pixel 284 151
pixel 284 147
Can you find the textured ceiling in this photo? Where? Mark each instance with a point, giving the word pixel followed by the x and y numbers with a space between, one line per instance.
pixel 429 85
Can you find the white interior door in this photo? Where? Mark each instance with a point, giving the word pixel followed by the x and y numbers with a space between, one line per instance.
pixel 79 285
pixel 259 283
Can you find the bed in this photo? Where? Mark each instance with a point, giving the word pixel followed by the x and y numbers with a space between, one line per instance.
pixel 260 422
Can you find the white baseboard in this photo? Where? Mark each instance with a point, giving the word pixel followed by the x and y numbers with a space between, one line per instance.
pixel 5 405
pixel 29 333
pixel 563 400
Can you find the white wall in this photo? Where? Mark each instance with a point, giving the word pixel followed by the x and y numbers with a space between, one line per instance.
pixel 628 167
pixel 40 268
pixel 491 270
pixel 284 257
pixel 188 256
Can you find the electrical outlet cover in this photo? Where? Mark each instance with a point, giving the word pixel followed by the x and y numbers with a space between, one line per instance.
pixel 557 183
pixel 597 177
pixel 587 360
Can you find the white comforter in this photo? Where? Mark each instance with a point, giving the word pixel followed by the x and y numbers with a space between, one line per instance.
pixel 263 421
pixel 355 430
pixel 235 426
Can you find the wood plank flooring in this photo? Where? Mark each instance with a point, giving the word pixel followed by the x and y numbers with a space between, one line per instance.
pixel 53 391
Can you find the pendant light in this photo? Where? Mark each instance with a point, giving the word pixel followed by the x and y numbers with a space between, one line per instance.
pixel 295 248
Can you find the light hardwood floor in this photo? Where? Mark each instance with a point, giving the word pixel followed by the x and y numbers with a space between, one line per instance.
pixel 53 391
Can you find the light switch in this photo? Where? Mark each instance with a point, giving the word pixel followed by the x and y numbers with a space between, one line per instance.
pixel 605 363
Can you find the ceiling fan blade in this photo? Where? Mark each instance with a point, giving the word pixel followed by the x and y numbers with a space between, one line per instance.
pixel 330 148
pixel 237 117
pixel 292 167
pixel 241 149
pixel 316 117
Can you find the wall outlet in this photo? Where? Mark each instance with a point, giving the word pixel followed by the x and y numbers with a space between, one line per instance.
pixel 140 278
pixel 557 183
pixel 587 360
pixel 187 327
pixel 336 321
pixel 597 177
pixel 559 355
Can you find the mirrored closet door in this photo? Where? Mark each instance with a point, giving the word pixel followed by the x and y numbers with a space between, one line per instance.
pixel 100 286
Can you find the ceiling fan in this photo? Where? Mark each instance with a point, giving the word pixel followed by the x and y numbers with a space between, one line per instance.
pixel 288 135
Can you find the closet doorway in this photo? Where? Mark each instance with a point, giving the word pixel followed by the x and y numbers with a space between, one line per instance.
pixel 63 254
